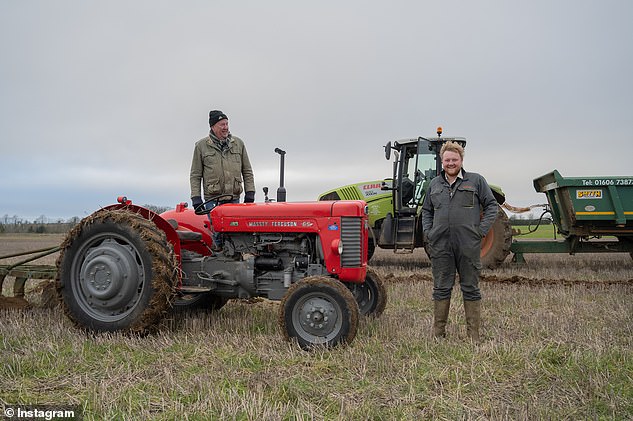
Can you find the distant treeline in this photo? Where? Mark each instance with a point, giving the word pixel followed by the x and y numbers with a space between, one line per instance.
pixel 38 228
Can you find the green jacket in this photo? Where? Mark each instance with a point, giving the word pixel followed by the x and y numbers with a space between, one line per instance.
pixel 220 170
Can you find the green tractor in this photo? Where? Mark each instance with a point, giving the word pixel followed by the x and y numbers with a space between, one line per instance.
pixel 395 204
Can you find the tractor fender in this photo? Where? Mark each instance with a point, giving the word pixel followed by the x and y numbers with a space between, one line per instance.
pixel 159 221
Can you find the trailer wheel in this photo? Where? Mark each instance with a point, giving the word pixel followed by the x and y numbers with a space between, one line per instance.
pixel 628 242
pixel 318 311
pixel 371 295
pixel 116 272
pixel 495 246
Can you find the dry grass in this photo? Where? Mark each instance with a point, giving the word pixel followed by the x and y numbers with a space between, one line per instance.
pixel 558 350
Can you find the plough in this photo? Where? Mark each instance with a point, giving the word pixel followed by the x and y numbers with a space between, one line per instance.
pixel 22 272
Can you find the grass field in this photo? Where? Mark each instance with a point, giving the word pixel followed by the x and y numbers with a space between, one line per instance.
pixel 558 344
pixel 542 231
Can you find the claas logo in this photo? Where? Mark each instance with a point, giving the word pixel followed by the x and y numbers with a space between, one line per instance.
pixel 589 194
pixel 371 186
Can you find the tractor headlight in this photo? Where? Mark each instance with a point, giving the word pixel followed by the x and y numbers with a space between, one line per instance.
pixel 337 246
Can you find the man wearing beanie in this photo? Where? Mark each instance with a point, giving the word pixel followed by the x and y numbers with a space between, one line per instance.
pixel 220 166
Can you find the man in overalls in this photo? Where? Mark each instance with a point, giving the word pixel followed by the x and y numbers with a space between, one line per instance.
pixel 457 212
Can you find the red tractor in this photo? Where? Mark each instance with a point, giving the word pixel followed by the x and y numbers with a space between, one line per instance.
pixel 124 266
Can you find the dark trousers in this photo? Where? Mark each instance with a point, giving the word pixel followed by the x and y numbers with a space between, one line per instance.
pixel 449 260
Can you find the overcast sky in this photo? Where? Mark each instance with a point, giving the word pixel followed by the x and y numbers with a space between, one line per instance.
pixel 104 98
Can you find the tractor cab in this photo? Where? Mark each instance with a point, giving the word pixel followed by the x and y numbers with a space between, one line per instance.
pixel 416 162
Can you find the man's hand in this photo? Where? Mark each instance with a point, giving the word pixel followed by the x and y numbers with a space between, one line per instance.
pixel 249 197
pixel 196 201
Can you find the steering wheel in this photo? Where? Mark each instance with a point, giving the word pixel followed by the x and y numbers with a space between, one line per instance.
pixel 201 209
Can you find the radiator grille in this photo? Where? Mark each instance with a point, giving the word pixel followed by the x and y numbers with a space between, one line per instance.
pixel 351 236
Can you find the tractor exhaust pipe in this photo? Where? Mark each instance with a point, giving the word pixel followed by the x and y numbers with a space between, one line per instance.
pixel 281 191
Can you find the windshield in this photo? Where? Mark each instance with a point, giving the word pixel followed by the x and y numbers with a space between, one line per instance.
pixel 418 168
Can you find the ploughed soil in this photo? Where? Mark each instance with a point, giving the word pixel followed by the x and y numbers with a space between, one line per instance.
pixel 514 279
pixel 13 303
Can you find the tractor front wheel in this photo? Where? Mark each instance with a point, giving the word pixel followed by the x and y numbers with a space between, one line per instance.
pixel 371 247
pixel 318 311
pixel 116 272
pixel 371 295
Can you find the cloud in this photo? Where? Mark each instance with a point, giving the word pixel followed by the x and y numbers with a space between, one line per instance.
pixel 101 99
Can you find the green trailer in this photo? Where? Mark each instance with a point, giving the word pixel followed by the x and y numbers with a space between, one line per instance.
pixel 592 214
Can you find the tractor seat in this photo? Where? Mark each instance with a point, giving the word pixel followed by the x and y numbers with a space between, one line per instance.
pixel 184 235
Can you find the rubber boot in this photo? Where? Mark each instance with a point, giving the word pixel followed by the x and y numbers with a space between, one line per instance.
pixel 440 317
pixel 473 319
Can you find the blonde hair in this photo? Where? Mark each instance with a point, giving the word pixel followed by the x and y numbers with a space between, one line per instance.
pixel 453 147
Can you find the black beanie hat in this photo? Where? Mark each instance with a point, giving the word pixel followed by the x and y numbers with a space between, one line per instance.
pixel 215 116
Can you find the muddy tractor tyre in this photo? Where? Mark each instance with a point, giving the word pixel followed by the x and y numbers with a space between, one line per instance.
pixel 495 246
pixel 318 311
pixel 116 272
pixel 371 296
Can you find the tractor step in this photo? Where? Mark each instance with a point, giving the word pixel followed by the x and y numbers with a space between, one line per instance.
pixel 405 232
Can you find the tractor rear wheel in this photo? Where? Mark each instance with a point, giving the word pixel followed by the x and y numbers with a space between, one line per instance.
pixel 318 311
pixel 116 272
pixel 495 246
pixel 371 295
